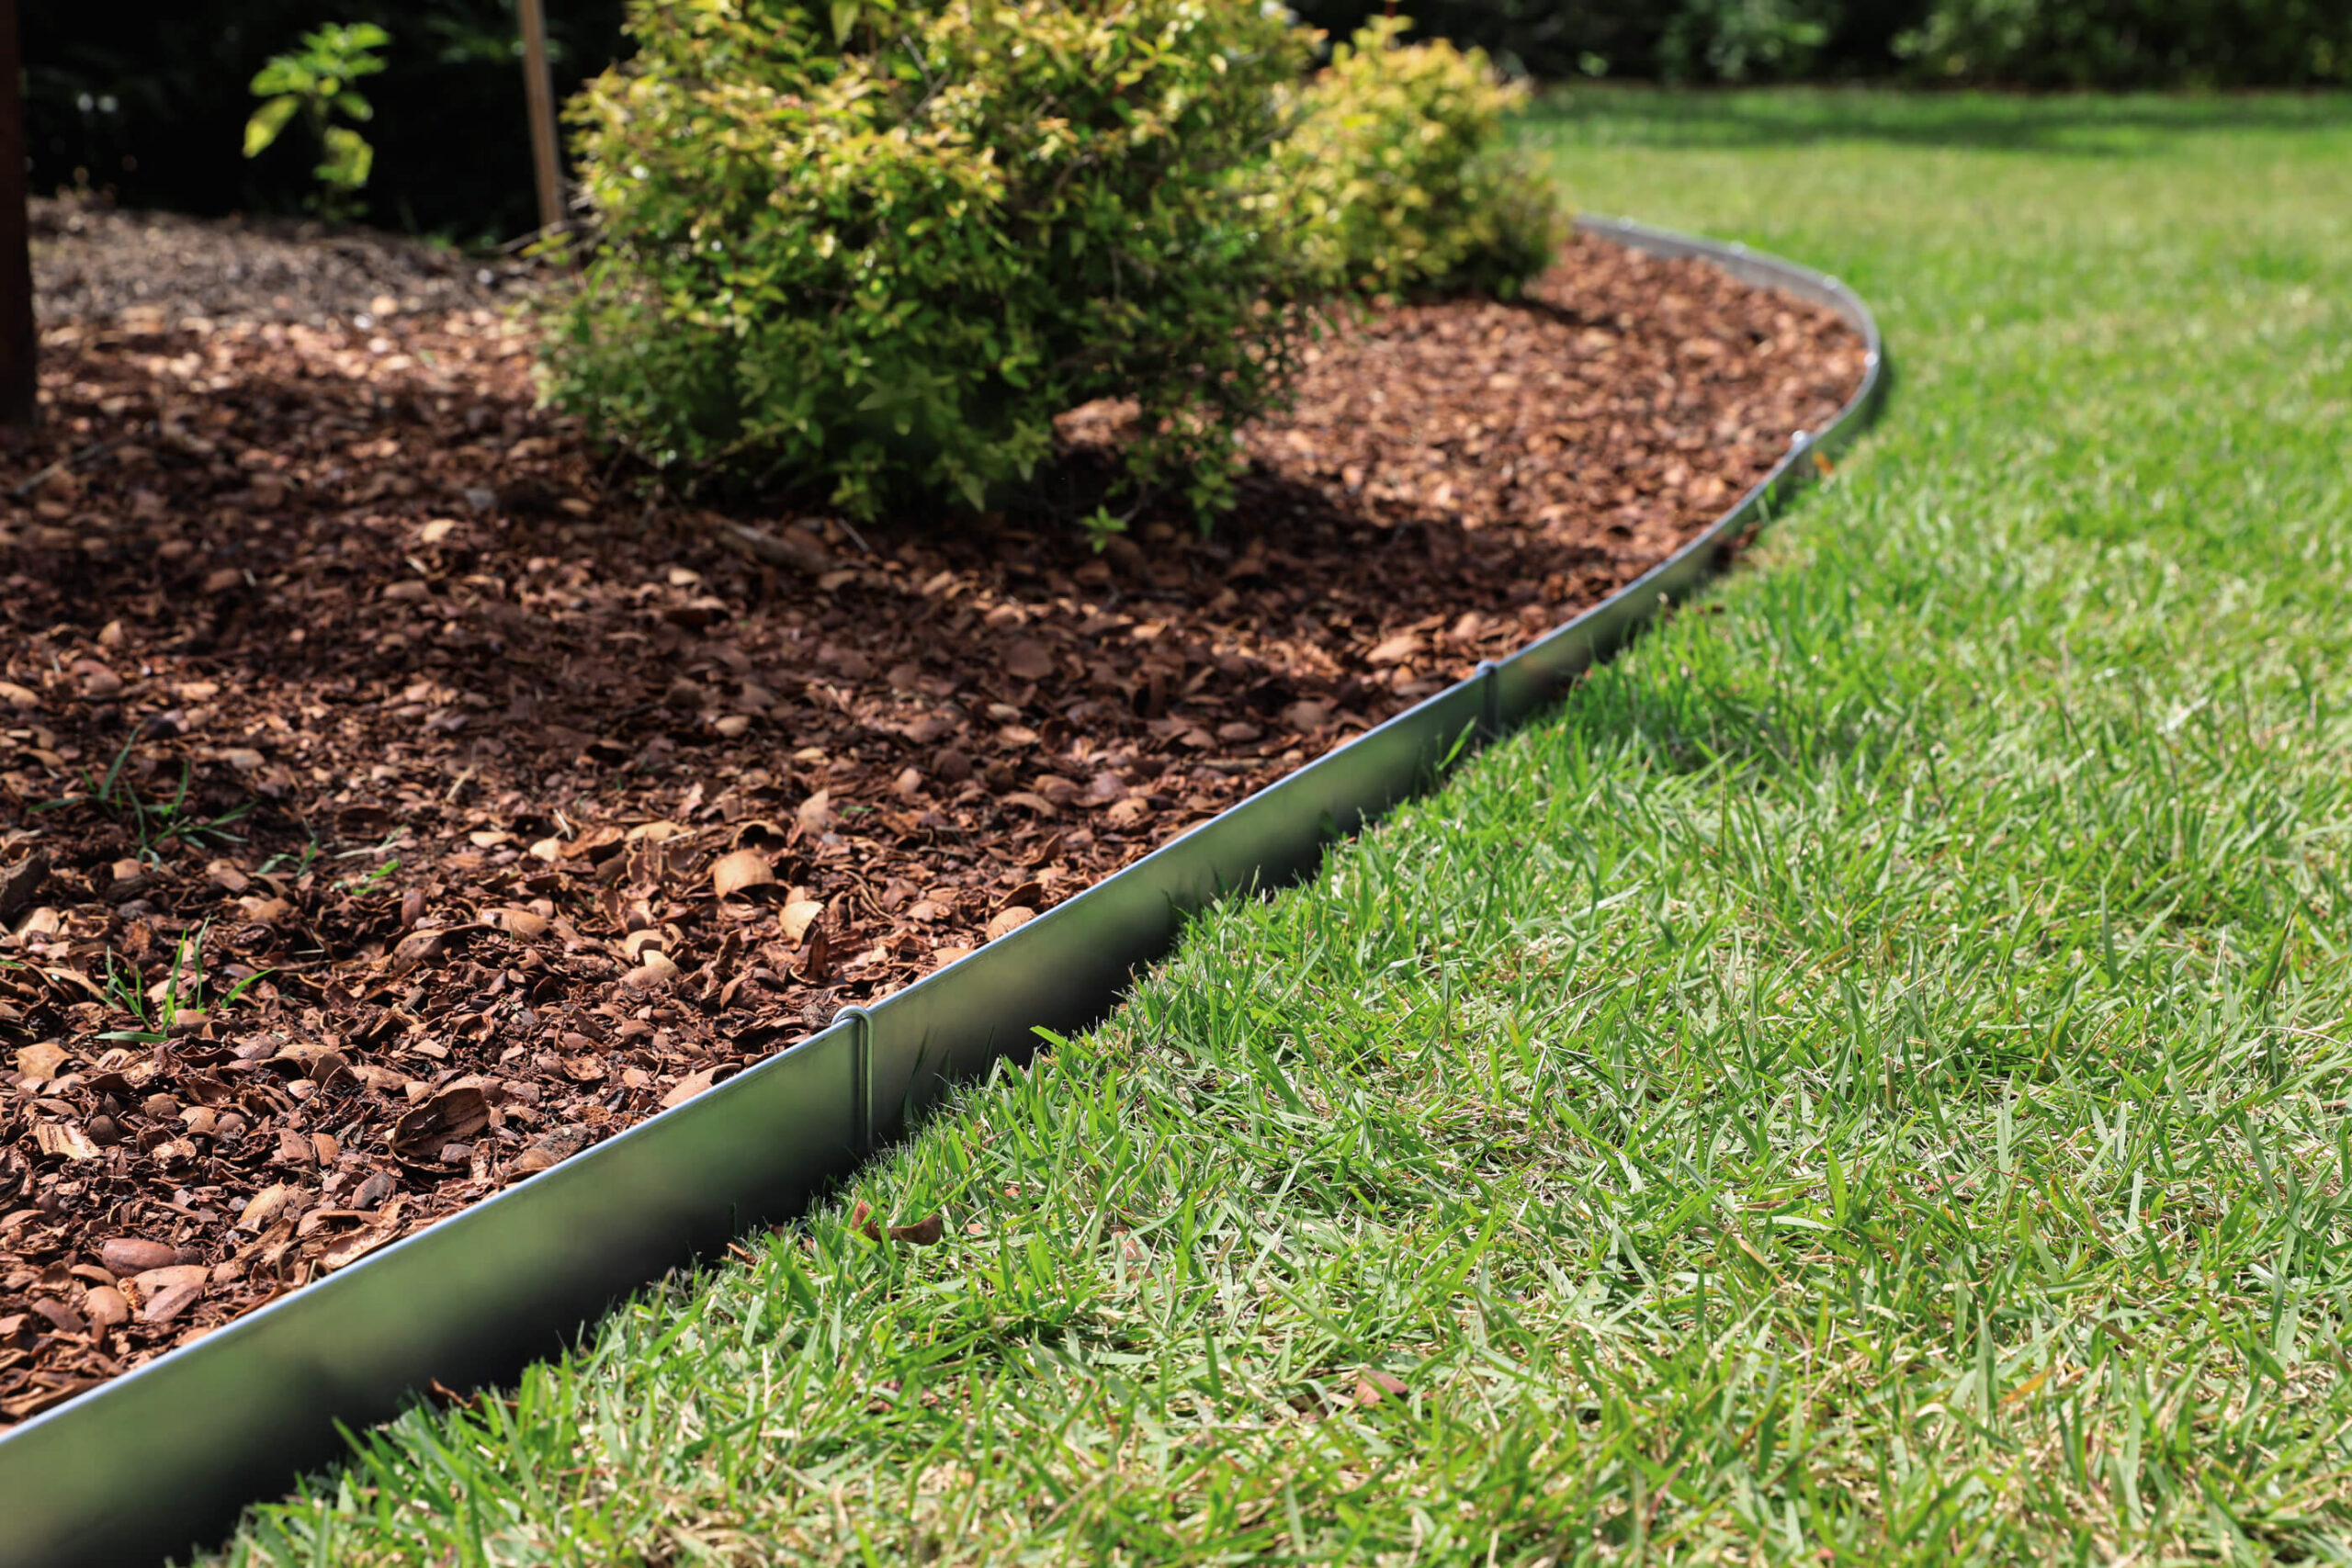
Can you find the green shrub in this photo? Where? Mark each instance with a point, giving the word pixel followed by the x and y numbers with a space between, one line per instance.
pixel 2113 44
pixel 1401 178
pixel 878 247
pixel 1745 40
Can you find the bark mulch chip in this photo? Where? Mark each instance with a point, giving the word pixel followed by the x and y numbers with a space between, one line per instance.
pixel 394 801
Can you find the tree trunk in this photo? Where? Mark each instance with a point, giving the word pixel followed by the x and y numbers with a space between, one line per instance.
pixel 19 406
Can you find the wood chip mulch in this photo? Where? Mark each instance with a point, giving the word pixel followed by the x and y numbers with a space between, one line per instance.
pixel 434 803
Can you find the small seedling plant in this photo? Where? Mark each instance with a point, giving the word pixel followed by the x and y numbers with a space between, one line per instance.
pixel 154 825
pixel 313 82
pixel 184 989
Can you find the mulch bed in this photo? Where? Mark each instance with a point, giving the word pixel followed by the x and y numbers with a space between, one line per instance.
pixel 441 801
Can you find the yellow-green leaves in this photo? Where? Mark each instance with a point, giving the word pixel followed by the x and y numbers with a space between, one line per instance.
pixel 1401 179
pixel 943 225
pixel 268 121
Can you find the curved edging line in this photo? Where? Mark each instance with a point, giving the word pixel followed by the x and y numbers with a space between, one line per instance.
pixel 163 1458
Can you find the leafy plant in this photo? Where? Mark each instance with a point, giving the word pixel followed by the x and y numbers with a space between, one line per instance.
pixel 152 823
pixel 314 81
pixel 1101 525
pixel 184 989
pixel 1399 171
pixel 878 247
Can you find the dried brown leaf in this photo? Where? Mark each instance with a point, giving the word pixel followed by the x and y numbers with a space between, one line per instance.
pixel 815 813
pixel 798 916
pixel 741 870
pixel 149 1282
pixel 264 1206
pixel 169 1302
pixel 653 969
pixel 418 947
pixel 817 961
pixel 38 1064
pixel 61 1316
pixel 21 882
pixel 104 1307
pixel 455 1112
pixel 651 939
pixel 63 1140
pixel 346 1250
pixel 551 1147
pixel 1009 920
pixel 1025 659
pixel 125 1255
pixel 693 1084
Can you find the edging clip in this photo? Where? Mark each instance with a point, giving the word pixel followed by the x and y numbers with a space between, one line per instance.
pixel 861 1047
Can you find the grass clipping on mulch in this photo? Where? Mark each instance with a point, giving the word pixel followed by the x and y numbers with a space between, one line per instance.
pixel 435 805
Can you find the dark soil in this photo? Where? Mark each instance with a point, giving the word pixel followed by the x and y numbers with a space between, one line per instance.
pixel 95 262
pixel 394 799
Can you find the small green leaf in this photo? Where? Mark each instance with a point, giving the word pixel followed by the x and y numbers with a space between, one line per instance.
pixel 349 161
pixel 268 121
pixel 844 19
pixel 283 75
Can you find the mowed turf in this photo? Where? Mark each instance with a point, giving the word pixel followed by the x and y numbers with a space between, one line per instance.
pixel 1866 1081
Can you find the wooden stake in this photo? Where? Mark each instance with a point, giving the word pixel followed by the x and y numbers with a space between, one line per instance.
pixel 19 406
pixel 538 90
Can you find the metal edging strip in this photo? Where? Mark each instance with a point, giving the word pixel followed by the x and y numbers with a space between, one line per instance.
pixel 163 1458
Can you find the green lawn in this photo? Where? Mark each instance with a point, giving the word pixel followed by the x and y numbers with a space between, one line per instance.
pixel 1863 1082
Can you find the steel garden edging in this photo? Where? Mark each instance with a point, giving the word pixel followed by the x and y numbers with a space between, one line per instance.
pixel 161 1458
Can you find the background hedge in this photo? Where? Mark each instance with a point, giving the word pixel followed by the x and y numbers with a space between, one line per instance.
pixel 150 100
pixel 2028 43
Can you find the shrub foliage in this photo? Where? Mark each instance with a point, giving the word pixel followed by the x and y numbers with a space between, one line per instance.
pixel 876 247
pixel 2092 43
pixel 2068 43
pixel 1399 170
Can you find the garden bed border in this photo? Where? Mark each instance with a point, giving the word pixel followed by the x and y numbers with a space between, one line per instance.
pixel 161 1459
